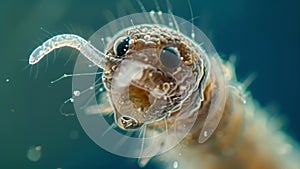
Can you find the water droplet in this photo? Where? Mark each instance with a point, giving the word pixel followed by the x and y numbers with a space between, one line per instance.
pixel 175 164
pixel 34 153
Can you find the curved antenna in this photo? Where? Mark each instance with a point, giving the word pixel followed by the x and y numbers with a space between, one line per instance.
pixel 70 40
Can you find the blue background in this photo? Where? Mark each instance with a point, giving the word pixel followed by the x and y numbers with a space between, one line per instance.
pixel 263 34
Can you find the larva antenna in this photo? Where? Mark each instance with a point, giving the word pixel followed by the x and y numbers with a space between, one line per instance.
pixel 70 40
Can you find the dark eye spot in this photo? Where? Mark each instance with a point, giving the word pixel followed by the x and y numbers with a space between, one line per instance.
pixel 170 57
pixel 121 46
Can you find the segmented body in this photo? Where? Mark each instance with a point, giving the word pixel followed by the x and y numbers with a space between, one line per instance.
pixel 181 99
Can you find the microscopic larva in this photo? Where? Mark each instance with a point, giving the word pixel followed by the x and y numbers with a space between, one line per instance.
pixel 163 78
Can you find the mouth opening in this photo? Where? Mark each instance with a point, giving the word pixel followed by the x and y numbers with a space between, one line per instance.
pixel 140 91
pixel 139 98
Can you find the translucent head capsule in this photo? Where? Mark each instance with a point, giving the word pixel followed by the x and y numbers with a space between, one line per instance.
pixel 155 73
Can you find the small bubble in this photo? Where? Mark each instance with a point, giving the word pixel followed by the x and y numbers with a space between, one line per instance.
pixel 175 164
pixel 100 89
pixel 205 133
pixel 72 100
pixel 76 93
pixel 34 153
pixel 193 35
pixel 7 80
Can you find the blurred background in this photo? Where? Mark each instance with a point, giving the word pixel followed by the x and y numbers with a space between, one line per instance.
pixel 263 34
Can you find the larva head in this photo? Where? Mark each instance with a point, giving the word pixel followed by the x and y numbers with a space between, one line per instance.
pixel 157 68
pixel 151 71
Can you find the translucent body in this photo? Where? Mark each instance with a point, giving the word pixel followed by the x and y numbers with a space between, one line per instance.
pixel 175 94
pixel 243 131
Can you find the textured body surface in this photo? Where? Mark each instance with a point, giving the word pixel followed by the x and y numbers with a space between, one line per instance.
pixel 166 103
pixel 242 139
pixel 176 84
pixel 246 138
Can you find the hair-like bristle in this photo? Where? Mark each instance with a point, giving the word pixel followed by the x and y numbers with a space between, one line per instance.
pixel 246 138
